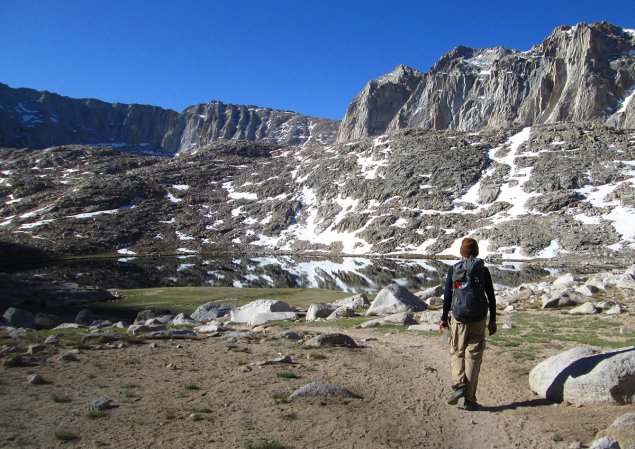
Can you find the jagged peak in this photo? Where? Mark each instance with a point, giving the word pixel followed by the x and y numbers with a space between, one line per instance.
pixel 400 73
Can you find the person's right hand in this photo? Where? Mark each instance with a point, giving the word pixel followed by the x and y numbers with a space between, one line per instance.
pixel 443 325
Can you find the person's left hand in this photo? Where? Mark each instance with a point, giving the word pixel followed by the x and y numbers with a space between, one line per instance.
pixel 491 327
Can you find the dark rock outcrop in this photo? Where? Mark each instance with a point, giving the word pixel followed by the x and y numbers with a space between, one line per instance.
pixel 35 119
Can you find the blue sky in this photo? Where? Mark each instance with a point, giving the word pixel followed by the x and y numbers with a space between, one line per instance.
pixel 311 57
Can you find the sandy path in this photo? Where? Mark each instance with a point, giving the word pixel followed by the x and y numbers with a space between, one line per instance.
pixel 402 378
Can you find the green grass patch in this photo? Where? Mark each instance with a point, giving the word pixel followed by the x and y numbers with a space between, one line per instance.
pixel 287 375
pixel 192 387
pixel 187 299
pixel 95 414
pixel 542 328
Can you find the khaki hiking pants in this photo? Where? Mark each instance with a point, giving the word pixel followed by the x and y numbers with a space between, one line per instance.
pixel 467 343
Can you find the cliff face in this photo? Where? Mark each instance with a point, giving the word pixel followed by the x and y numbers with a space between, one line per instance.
pixel 578 74
pixel 34 119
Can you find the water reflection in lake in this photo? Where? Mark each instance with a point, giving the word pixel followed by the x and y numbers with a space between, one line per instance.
pixel 352 274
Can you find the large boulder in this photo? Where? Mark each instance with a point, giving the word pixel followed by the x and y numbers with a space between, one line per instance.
pixel 320 310
pixel 341 312
pixel 327 340
pixel 148 314
pixel 583 376
pixel 401 318
pixel 183 320
pixel 622 430
pixel 15 317
pixel 395 299
pixel 354 302
pixel 85 317
pixel 432 292
pixel 263 310
pixel 584 309
pixel 210 311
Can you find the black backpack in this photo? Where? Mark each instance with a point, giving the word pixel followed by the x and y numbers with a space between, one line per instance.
pixel 469 303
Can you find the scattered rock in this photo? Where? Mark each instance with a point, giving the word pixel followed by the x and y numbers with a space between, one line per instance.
pixel 101 337
pixel 19 361
pixel 35 348
pixel 136 329
pixel 424 327
pixel 35 379
pixel 615 310
pixel 7 350
pixel 341 312
pixel 148 314
pixel 435 301
pixel 322 389
pixel 289 334
pixel 508 326
pixel 431 317
pixel 19 333
pixel 354 302
pixel 584 309
pixel 47 320
pixel 622 430
pixel 68 326
pixel 283 359
pixel 15 317
pixel 183 320
pixel 171 366
pixel 263 310
pixel 625 330
pixel 85 317
pixel 70 356
pixel 402 318
pixel 432 292
pixel 103 403
pixel 395 299
pixel 334 339
pixel 211 311
pixel 172 333
pixel 210 328
pixel 509 309
pixel 605 443
pixel 320 310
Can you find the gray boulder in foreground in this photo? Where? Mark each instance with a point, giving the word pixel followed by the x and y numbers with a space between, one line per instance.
pixel 583 376
pixel 395 299
pixel 322 389
pixel 622 430
pixel 334 339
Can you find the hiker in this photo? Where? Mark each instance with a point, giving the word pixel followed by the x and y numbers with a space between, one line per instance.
pixel 469 293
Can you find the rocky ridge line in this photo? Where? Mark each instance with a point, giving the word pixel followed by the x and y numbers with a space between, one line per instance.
pixel 582 74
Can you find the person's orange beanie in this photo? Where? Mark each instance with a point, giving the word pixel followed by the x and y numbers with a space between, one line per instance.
pixel 469 248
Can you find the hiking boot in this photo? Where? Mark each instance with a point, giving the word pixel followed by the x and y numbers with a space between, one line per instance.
pixel 470 406
pixel 456 395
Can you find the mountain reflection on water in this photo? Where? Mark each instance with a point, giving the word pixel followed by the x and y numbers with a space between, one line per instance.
pixel 352 274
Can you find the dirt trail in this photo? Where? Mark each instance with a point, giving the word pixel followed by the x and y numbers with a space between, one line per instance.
pixel 403 379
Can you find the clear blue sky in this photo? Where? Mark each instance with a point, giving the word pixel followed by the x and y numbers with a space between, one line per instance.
pixel 311 57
